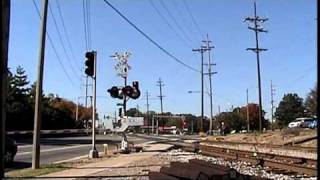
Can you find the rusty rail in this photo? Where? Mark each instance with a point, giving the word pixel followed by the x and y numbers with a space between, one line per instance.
pixel 286 146
pixel 287 163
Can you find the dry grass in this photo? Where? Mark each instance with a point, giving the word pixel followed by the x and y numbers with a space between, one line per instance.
pixel 51 168
pixel 28 172
pixel 270 137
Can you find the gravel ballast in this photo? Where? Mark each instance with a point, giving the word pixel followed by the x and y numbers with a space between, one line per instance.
pixel 155 162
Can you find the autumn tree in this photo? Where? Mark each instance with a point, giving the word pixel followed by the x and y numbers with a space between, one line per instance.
pixel 253 116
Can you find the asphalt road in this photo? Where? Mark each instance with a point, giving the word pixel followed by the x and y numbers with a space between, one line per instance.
pixel 56 149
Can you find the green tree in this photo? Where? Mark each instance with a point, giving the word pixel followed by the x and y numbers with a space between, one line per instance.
pixel 311 102
pixel 232 120
pixel 290 108
pixel 56 112
pixel 19 110
pixel 134 112
pixel 20 81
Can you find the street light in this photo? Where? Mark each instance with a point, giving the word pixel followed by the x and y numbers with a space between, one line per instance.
pixel 199 92
pixel 202 117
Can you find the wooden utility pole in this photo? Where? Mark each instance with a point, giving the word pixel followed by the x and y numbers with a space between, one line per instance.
pixel 256 20
pixel 38 100
pixel 201 50
pixel 77 110
pixel 5 26
pixel 160 84
pixel 86 91
pixel 248 114
pixel 272 106
pixel 147 95
pixel 210 73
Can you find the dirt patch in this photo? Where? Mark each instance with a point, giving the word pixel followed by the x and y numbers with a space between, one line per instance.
pixel 312 143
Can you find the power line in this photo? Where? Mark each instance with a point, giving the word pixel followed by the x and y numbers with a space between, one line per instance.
pixel 306 73
pixel 61 41
pixel 53 47
pixel 174 20
pixel 169 25
pixel 149 38
pixel 66 34
pixel 176 6
pixel 184 21
pixel 89 22
pixel 60 62
pixel 192 18
pixel 85 24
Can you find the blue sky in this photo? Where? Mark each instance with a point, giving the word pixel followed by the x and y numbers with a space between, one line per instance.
pixel 290 61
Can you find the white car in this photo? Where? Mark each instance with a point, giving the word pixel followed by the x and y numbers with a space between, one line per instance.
pixel 296 122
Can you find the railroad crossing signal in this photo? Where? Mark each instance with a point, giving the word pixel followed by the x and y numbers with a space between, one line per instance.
pixel 136 92
pixel 89 63
pixel 115 92
pixel 129 91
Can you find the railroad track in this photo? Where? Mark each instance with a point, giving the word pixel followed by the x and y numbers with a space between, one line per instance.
pixel 264 145
pixel 287 164
pixel 273 162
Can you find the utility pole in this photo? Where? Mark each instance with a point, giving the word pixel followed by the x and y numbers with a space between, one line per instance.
pixel 86 84
pixel 115 117
pixel 37 111
pixel 138 107
pixel 93 152
pixel 147 94
pixel 257 21
pixel 77 109
pixel 125 98
pixel 210 73
pixel 5 21
pixel 272 106
pixel 90 101
pixel 248 115
pixel 86 100
pixel 160 84
pixel 201 50
pixel 191 126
